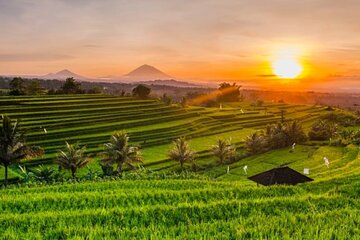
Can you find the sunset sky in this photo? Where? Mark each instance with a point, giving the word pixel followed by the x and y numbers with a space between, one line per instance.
pixel 199 40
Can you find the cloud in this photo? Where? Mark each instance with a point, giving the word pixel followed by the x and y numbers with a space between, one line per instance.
pixel 33 57
pixel 266 75
pixel 92 46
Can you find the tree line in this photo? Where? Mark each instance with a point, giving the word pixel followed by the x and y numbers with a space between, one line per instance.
pixel 19 86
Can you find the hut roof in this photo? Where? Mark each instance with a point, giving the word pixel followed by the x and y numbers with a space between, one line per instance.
pixel 280 175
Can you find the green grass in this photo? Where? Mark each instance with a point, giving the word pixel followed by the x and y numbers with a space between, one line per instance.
pixel 182 209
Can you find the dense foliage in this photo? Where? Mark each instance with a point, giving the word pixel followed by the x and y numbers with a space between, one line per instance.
pixel 229 92
pixel 141 91
pixel 322 130
pixel 275 136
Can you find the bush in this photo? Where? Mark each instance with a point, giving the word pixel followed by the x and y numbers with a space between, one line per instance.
pixel 141 91
pixel 322 130
pixel 275 136
pixel 255 143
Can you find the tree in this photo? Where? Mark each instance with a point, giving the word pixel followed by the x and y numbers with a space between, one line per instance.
pixel 166 99
pixel 141 91
pixel 184 102
pixel 322 130
pixel 284 134
pixel 17 86
pixel 223 150
pixel 73 158
pixel 12 146
pixel 255 143
pixel 229 92
pixel 275 135
pixel 71 86
pixel 119 151
pixel 34 88
pixel 294 133
pixel 181 152
pixel 95 90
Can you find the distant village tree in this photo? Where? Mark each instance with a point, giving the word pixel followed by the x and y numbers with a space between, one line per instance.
pixel 34 88
pixel 166 99
pixel 229 92
pixel 17 86
pixel 184 102
pixel 71 86
pixel 95 90
pixel 141 91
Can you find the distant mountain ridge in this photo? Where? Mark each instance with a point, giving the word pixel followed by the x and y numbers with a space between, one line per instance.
pixel 63 74
pixel 147 72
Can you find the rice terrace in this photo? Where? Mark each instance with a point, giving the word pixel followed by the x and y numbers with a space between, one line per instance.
pixel 251 131
pixel 162 207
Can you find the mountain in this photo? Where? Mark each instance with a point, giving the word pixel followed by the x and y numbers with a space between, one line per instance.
pixel 63 74
pixel 146 72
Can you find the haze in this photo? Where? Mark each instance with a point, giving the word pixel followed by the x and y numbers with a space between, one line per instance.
pixel 199 40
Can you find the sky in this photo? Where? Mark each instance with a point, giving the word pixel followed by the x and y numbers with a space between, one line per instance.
pixel 204 40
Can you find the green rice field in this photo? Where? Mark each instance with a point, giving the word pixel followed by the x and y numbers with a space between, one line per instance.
pixel 217 205
pixel 91 119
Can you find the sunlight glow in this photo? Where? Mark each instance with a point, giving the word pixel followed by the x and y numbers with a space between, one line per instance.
pixel 286 64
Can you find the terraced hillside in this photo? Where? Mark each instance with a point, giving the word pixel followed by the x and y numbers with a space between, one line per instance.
pixel 327 208
pixel 182 209
pixel 344 161
pixel 90 119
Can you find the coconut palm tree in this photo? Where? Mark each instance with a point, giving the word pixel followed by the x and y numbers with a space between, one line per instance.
pixel 12 147
pixel 223 150
pixel 294 133
pixel 181 152
pixel 73 158
pixel 118 151
pixel 275 135
pixel 255 143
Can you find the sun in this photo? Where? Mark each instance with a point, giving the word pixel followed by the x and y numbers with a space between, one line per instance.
pixel 286 64
pixel 287 68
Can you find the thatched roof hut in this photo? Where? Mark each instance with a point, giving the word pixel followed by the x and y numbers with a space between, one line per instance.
pixel 280 175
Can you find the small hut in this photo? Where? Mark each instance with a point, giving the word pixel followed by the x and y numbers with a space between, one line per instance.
pixel 280 175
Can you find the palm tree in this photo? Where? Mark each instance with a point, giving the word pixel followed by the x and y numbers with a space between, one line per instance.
pixel 255 143
pixel 182 152
pixel 275 135
pixel 73 158
pixel 223 150
pixel 294 133
pixel 12 147
pixel 118 151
